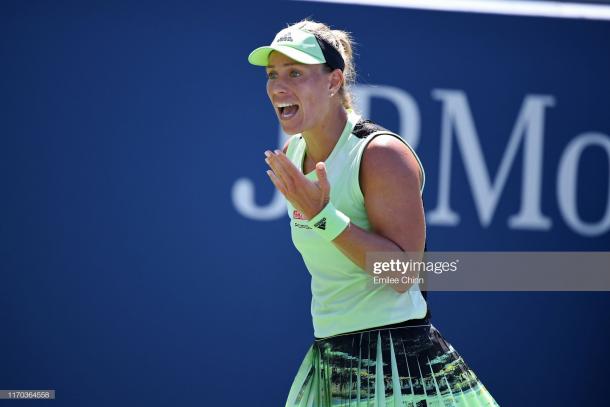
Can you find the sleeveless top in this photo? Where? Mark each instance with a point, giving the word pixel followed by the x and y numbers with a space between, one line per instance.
pixel 344 298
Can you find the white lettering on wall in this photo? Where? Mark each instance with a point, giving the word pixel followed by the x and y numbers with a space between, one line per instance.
pixel 457 124
pixel 567 184
pixel 528 130
pixel 243 193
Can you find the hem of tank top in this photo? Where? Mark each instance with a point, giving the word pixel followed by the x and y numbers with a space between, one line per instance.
pixel 377 328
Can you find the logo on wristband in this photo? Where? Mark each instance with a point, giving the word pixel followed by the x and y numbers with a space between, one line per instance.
pixel 321 224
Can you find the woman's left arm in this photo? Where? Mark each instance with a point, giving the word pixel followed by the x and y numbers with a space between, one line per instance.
pixel 390 182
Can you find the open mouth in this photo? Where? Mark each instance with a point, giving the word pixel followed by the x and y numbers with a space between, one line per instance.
pixel 287 110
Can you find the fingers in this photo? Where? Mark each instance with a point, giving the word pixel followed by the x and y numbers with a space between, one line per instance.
pixel 279 184
pixel 287 165
pixel 309 197
pixel 283 168
pixel 323 183
pixel 322 177
pixel 276 170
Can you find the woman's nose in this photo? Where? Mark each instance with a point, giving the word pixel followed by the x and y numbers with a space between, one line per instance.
pixel 277 87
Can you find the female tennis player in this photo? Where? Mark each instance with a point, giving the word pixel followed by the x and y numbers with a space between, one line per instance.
pixel 353 187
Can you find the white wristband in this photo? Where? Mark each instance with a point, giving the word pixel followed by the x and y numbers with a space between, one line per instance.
pixel 329 223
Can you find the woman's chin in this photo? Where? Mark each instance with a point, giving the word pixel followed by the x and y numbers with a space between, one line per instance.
pixel 290 129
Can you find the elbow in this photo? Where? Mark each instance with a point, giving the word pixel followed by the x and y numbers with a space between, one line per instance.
pixel 401 288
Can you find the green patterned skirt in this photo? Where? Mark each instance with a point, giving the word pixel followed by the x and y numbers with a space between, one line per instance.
pixel 408 366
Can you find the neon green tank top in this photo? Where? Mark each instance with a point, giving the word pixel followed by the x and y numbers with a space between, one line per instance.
pixel 344 298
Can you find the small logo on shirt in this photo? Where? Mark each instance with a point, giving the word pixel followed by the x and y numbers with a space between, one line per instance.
pixel 285 37
pixel 298 215
pixel 321 224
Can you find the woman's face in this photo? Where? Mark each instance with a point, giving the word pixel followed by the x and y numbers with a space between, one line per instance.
pixel 299 92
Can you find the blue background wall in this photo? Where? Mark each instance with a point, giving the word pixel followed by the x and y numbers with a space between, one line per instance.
pixel 130 277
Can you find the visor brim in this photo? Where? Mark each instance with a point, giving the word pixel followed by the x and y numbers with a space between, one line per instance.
pixel 260 56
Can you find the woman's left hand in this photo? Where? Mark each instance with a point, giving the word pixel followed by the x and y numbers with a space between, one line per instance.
pixel 308 197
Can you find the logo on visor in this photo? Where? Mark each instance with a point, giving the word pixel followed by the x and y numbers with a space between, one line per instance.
pixel 285 37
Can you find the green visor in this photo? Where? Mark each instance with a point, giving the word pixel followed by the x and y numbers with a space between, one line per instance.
pixel 299 45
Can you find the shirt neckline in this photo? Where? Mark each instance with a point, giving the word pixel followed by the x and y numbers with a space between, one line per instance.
pixel 352 119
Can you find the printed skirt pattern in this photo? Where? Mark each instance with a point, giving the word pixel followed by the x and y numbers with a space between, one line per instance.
pixel 411 366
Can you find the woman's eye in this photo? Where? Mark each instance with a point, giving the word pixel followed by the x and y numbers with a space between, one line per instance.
pixel 271 75
pixel 295 74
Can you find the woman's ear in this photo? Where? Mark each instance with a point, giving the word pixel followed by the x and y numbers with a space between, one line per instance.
pixel 336 81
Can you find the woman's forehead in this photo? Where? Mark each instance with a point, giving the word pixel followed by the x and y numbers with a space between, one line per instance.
pixel 278 59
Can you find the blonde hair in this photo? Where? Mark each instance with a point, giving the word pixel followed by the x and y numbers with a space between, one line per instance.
pixel 343 42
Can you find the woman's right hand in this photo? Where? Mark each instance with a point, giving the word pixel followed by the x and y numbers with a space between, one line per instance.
pixel 308 197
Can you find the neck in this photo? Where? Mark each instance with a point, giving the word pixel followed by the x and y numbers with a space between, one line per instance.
pixel 321 139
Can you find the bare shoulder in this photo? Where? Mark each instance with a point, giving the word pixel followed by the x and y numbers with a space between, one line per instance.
pixel 390 183
pixel 387 158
